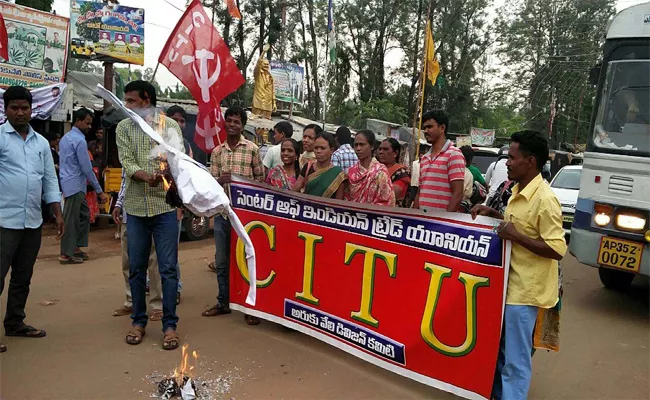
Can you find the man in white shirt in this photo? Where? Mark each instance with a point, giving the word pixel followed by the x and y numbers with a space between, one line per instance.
pixel 497 172
pixel 282 130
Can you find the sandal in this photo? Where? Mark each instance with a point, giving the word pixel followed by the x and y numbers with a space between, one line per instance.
pixel 212 266
pixel 156 315
pixel 82 255
pixel 171 340
pixel 3 348
pixel 135 335
pixel 250 320
pixel 26 331
pixel 216 310
pixel 70 260
pixel 124 310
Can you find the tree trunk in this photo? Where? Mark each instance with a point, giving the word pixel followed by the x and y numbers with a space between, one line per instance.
pixel 303 32
pixel 415 61
pixel 314 58
pixel 262 24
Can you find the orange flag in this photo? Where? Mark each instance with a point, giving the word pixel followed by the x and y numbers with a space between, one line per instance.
pixel 232 9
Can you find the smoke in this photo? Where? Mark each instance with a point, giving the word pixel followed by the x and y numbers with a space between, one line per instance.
pixel 166 128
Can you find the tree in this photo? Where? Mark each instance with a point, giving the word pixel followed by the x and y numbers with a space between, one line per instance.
pixel 43 5
pixel 550 46
pixel 75 64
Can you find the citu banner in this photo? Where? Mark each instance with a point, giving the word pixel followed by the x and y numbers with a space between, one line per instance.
pixel 419 294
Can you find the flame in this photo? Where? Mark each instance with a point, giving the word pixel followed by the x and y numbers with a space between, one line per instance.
pixel 162 122
pixel 185 369
pixel 166 185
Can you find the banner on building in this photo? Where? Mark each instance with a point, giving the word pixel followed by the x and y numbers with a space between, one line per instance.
pixel 463 141
pixel 482 137
pixel 45 101
pixel 418 294
pixel 37 47
pixel 287 79
pixel 106 31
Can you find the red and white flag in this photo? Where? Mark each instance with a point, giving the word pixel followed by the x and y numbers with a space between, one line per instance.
pixel 210 128
pixel 4 41
pixel 197 55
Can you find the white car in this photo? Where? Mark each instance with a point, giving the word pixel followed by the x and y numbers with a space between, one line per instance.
pixel 566 185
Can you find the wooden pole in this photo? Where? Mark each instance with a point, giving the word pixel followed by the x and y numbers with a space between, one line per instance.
pixel 108 81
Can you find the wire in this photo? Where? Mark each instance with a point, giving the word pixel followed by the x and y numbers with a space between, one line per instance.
pixel 173 5
pixel 159 26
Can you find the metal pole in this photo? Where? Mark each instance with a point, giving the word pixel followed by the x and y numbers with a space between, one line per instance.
pixel 153 76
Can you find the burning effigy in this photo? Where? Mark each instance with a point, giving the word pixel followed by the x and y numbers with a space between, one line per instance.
pixel 182 383
pixel 187 182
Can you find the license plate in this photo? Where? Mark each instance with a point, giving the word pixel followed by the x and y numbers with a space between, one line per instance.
pixel 620 254
pixel 567 218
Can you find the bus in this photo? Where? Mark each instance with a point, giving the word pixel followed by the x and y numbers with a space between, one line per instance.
pixel 610 229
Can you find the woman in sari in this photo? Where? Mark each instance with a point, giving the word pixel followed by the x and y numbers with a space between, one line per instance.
pixel 91 195
pixel 388 154
pixel 369 182
pixel 320 177
pixel 284 175
pixel 308 139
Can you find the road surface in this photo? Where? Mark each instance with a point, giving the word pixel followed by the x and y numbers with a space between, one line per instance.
pixel 604 342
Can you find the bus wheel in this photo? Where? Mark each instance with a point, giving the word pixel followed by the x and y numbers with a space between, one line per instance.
pixel 613 279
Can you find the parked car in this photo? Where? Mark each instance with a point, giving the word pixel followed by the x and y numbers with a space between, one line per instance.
pixel 566 185
pixel 483 157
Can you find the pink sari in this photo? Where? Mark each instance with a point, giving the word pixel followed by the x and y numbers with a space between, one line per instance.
pixel 370 186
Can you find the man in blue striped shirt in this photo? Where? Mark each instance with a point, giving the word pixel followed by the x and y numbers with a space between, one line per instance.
pixel 27 176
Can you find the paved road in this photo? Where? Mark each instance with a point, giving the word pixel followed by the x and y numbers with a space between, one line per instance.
pixel 604 342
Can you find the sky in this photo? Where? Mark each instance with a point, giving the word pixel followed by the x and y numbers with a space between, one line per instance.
pixel 161 18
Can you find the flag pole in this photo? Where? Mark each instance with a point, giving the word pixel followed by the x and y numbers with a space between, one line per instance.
pixel 153 76
pixel 423 84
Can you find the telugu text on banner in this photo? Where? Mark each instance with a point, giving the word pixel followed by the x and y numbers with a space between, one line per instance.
pixel 36 47
pixel 420 295
pixel 109 32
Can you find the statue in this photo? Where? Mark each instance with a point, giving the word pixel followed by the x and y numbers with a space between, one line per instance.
pixel 264 91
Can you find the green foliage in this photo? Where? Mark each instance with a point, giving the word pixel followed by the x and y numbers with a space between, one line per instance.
pixel 43 5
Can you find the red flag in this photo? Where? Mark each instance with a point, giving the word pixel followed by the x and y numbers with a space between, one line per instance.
pixel 4 41
pixel 210 128
pixel 232 9
pixel 197 55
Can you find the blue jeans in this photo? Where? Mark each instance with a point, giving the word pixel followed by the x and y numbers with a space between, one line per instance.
pixel 164 230
pixel 514 364
pixel 222 258
pixel 178 263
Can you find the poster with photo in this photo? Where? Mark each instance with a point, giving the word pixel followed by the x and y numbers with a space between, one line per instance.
pixel 37 46
pixel 287 79
pixel 106 32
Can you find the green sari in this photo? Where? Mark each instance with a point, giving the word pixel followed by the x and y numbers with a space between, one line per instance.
pixel 324 182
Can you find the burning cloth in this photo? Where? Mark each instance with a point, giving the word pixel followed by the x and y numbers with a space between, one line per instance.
pixel 196 187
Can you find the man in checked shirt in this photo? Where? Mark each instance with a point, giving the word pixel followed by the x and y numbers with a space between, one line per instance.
pixel 240 157
pixel 148 213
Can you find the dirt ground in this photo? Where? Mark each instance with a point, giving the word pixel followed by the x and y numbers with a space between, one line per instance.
pixel 605 339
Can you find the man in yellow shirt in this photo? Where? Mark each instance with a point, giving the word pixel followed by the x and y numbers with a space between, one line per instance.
pixel 533 223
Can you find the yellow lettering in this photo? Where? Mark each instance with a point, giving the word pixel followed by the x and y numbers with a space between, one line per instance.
pixel 471 283
pixel 241 254
pixel 308 267
pixel 367 286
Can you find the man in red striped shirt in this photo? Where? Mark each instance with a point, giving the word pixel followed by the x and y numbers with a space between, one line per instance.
pixel 442 169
